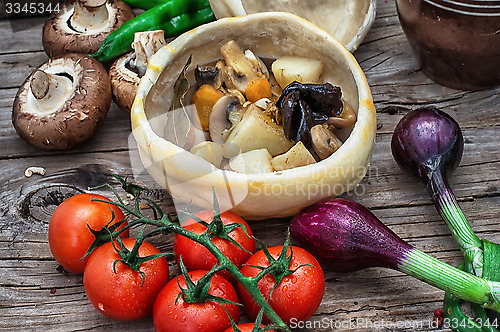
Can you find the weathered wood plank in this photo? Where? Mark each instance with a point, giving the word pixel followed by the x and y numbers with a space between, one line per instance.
pixel 386 292
pixel 35 294
pixel 21 35
pixel 15 69
pixel 113 135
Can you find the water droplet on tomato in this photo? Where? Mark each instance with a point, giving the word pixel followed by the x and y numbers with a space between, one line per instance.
pixel 293 279
pixel 100 306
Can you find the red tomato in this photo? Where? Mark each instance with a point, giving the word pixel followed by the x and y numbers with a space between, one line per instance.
pixel 172 316
pixel 247 327
pixel 69 236
pixel 298 295
pixel 122 295
pixel 197 257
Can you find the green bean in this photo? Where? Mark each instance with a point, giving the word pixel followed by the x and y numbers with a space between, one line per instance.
pixel 144 4
pixel 173 16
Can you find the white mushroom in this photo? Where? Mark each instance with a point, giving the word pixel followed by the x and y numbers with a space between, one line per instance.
pixel 62 103
pixel 239 70
pixel 81 25
pixel 324 141
pixel 219 123
pixel 34 170
pixel 127 70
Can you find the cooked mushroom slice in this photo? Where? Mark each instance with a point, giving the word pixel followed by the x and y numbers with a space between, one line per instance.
pixel 219 123
pixel 239 70
pixel 211 75
pixel 346 119
pixel 62 103
pixel 127 70
pixel 81 25
pixel 270 109
pixel 257 63
pixel 324 141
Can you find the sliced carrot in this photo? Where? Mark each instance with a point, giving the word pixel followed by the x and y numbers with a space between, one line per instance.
pixel 204 99
pixel 257 89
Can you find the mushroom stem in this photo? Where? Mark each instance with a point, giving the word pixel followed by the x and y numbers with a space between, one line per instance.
pixel 49 91
pixel 145 45
pixel 346 119
pixel 240 70
pixel 324 141
pixel 89 15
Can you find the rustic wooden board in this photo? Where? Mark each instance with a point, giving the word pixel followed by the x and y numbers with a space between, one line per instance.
pixel 35 294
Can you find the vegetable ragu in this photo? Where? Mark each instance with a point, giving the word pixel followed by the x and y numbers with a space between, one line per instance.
pixel 346 237
pixel 252 123
pixel 428 144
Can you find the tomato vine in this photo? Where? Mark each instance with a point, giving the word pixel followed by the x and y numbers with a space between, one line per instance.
pixel 279 268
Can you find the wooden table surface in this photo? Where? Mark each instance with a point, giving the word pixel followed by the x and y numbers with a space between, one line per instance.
pixel 35 294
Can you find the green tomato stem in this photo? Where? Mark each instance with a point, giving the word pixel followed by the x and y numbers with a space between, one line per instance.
pixel 248 283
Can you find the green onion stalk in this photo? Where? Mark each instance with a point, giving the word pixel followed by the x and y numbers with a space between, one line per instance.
pixel 428 143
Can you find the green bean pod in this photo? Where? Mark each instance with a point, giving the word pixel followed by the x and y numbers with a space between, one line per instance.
pixel 145 4
pixel 174 17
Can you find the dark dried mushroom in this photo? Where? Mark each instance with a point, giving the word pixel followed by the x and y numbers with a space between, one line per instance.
pixel 324 141
pixel 306 105
pixel 63 102
pixel 297 119
pixel 81 25
pixel 325 100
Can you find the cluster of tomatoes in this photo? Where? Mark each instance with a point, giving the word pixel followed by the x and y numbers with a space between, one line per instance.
pixel 119 292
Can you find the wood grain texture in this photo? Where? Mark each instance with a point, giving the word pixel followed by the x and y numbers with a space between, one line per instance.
pixel 36 294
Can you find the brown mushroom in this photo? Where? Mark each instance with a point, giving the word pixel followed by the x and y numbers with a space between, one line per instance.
pixel 62 103
pixel 81 25
pixel 324 141
pixel 127 70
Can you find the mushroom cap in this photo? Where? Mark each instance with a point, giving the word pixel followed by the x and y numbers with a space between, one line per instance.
pixel 264 195
pixel 348 21
pixel 59 38
pixel 80 115
pixel 124 82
